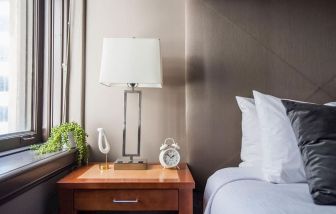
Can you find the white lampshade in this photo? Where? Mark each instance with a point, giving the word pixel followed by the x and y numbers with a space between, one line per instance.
pixel 131 60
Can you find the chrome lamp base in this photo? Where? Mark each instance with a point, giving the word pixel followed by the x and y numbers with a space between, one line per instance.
pixel 125 163
pixel 133 164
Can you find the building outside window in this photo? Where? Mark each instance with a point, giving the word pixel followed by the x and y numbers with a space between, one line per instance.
pixel 15 66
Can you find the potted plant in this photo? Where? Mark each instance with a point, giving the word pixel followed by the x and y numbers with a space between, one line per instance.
pixel 59 139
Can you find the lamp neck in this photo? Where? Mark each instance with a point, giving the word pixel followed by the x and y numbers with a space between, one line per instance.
pixel 132 85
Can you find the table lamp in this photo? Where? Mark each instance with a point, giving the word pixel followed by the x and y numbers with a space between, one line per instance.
pixel 131 62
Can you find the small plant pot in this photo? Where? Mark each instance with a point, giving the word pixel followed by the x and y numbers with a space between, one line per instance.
pixel 72 142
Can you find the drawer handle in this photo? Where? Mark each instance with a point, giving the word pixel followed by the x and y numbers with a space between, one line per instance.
pixel 125 201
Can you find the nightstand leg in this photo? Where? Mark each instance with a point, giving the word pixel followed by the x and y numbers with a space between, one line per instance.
pixel 66 201
pixel 185 201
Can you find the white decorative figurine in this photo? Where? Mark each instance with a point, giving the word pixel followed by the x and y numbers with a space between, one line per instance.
pixel 103 148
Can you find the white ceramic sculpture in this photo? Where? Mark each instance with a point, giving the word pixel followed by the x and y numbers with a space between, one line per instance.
pixel 106 147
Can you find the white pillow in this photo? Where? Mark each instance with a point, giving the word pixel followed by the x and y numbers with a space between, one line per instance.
pixel 282 162
pixel 330 104
pixel 251 150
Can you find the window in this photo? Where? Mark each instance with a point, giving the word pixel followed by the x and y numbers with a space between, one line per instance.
pixel 14 66
pixel 34 38
pixel 3 119
pixel 3 84
pixel 21 60
pixel 3 104
pixel 3 113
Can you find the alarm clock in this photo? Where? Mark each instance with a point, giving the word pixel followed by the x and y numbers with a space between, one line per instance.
pixel 169 155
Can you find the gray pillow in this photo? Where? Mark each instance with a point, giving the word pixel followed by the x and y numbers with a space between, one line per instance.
pixel 315 128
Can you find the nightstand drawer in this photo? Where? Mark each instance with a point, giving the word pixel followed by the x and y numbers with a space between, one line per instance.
pixel 126 200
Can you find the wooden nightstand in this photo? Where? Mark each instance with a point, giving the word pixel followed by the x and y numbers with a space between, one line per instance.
pixel 155 189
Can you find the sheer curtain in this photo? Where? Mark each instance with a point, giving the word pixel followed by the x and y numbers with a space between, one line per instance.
pixel 75 105
pixel 64 63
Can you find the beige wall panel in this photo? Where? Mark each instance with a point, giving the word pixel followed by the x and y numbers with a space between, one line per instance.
pixel 285 48
pixel 163 110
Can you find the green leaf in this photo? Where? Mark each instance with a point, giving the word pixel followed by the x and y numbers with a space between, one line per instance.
pixel 59 137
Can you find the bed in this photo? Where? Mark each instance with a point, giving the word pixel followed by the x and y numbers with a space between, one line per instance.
pixel 242 191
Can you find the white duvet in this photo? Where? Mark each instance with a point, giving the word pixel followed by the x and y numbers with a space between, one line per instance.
pixel 242 191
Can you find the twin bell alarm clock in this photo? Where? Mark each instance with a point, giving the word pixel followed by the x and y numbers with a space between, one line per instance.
pixel 169 155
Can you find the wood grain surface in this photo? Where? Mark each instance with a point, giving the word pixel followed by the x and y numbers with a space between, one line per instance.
pixel 155 189
pixel 118 200
pixel 153 172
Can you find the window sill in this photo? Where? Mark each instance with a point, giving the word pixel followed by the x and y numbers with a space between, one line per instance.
pixel 24 169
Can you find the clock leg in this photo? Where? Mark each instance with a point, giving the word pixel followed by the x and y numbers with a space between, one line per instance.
pixel 185 201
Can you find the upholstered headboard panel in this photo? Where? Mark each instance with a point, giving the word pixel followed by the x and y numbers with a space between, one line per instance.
pixel 285 48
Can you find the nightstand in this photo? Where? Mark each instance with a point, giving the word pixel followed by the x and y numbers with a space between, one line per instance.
pixel 155 189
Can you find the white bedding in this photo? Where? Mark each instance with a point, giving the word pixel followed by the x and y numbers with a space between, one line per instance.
pixel 242 191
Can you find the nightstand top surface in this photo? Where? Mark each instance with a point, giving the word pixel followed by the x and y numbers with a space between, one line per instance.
pixel 89 177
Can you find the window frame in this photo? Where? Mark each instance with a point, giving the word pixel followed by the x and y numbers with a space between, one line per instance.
pixel 23 139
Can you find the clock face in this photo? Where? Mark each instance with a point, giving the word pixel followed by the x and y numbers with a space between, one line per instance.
pixel 171 157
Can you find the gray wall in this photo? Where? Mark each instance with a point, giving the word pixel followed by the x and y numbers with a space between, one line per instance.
pixel 225 48
pixel 163 110
pixel 285 48
pixel 41 199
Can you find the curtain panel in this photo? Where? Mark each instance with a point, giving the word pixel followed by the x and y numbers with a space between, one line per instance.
pixel 64 63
